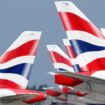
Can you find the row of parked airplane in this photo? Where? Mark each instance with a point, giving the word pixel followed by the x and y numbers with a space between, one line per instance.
pixel 82 68
pixel 80 73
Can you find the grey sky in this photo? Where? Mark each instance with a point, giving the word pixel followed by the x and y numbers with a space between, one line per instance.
pixel 17 16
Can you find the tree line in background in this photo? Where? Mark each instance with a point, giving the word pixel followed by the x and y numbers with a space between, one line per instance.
pixel 38 88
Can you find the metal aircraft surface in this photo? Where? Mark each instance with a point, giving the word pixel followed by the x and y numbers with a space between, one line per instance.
pixel 15 67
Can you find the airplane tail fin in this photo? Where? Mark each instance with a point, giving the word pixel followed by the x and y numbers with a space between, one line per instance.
pixel 60 60
pixel 16 62
pixel 86 39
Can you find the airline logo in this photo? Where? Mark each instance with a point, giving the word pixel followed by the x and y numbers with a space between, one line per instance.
pixel 16 62
pixel 86 40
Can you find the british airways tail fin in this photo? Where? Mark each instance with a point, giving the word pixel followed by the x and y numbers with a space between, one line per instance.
pixel 16 62
pixel 86 39
pixel 60 60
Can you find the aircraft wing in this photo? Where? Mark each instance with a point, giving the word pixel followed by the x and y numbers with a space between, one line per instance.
pixel 83 77
pixel 92 85
pixel 13 98
pixel 23 95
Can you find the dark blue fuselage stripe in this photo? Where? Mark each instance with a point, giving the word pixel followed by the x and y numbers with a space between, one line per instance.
pixel 82 47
